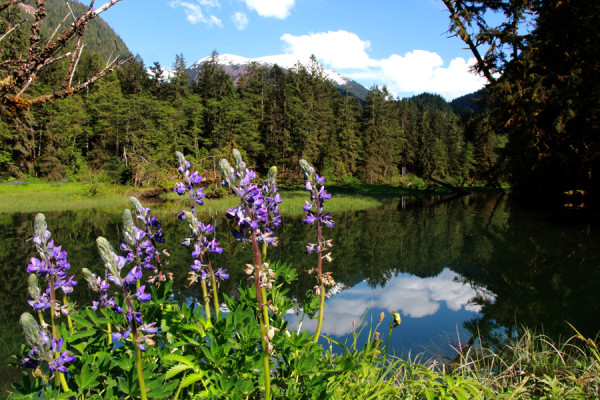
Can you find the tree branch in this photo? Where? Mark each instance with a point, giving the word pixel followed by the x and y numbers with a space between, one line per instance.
pixel 461 31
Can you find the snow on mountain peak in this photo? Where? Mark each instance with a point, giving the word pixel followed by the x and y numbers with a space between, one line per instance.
pixel 288 61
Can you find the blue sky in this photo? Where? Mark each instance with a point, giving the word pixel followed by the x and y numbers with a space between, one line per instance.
pixel 401 44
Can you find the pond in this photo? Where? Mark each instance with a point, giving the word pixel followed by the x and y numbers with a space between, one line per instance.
pixel 454 268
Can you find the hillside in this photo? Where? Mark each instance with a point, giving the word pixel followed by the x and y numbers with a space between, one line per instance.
pixel 99 37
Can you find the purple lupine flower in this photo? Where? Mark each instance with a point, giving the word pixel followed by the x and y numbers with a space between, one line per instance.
pixel 52 265
pixel 221 273
pixel 141 296
pixel 258 213
pixel 44 348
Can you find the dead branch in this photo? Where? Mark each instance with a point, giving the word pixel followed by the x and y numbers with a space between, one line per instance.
pixel 12 28
pixel 17 103
pixel 23 73
pixel 10 3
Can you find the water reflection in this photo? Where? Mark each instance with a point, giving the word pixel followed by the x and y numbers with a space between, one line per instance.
pixel 445 297
pixel 474 264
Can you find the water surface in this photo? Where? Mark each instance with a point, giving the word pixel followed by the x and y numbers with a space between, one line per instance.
pixel 453 268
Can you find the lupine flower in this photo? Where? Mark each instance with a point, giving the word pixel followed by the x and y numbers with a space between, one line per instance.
pixel 44 348
pixel 258 213
pixel 315 184
pixel 189 182
pixel 53 266
pixel 114 267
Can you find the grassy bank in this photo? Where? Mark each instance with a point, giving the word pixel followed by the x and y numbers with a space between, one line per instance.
pixel 63 196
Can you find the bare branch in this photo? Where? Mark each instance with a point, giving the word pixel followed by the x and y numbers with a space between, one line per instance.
pixel 56 30
pixel 10 3
pixel 10 30
pixel 105 7
pixel 73 66
pixel 68 91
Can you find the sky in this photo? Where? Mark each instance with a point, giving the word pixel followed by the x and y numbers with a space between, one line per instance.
pixel 401 44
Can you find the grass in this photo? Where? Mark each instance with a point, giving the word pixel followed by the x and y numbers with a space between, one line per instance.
pixel 46 197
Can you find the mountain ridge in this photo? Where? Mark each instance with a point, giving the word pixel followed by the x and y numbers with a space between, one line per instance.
pixel 236 66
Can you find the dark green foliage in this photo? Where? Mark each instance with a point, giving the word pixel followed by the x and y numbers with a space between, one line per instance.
pixel 128 124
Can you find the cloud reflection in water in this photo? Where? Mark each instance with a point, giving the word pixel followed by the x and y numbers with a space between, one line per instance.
pixel 410 295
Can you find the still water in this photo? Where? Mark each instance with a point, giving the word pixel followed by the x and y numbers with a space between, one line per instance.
pixel 453 268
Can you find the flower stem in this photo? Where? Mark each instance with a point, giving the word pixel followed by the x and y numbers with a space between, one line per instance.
pixel 206 301
pixel 69 320
pixel 214 286
pixel 261 314
pixel 140 373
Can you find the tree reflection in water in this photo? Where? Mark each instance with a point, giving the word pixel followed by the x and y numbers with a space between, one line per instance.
pixel 434 259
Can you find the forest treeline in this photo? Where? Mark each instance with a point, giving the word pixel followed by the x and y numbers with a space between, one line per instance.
pixel 130 124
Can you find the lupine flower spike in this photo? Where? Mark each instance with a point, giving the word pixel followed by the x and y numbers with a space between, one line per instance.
pixel 45 349
pixel 315 214
pixel 136 330
pixel 153 235
pixel 201 267
pixel 255 216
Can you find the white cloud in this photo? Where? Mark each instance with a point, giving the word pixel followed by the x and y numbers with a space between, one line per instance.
pixel 424 71
pixel 197 11
pixel 240 20
pixel 415 72
pixel 271 8
pixel 339 49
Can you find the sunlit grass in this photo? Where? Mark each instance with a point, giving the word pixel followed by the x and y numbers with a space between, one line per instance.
pixel 293 201
pixel 46 197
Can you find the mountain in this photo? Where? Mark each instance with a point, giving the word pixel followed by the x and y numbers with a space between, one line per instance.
pixel 236 66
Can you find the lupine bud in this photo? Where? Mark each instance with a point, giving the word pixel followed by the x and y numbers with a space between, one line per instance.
pixel 31 329
pixel 308 170
pixel 32 286
pixel 180 158
pixel 40 225
pixel 272 175
pixel 139 208
pixel 225 169
pixel 237 158
pixel 127 219
pixel 106 250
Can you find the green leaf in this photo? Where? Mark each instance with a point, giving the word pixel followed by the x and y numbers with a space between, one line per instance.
pixel 82 334
pixel 176 369
pixel 187 360
pixel 190 379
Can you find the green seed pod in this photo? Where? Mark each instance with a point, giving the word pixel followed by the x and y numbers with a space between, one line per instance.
pixel 32 286
pixel 31 329
pixel 40 225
